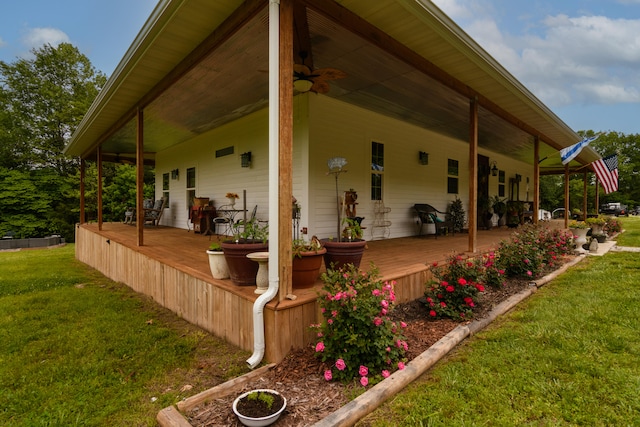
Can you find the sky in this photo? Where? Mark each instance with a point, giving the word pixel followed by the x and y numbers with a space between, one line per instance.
pixel 579 57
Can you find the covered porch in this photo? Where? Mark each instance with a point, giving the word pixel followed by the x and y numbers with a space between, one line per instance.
pixel 172 268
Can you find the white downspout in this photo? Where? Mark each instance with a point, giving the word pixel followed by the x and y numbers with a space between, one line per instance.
pixel 274 192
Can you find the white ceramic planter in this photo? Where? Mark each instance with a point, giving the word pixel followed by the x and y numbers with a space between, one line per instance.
pixel 258 422
pixel 218 265
pixel 580 236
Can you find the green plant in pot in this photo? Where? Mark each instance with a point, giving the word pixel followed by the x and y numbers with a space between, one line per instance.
pixel 514 211
pixel 349 249
pixel 217 261
pixel 307 260
pixel 455 211
pixel 248 237
pixel 499 207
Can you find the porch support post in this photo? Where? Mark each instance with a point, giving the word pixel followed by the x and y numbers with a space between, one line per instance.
pixel 473 175
pixel 536 179
pixel 83 174
pixel 99 195
pixel 566 196
pixel 139 176
pixel 584 194
pixel 286 148
pixel 597 196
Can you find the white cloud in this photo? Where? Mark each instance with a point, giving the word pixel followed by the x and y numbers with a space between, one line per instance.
pixel 583 59
pixel 37 37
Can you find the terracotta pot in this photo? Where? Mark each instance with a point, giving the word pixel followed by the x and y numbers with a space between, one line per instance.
pixel 242 270
pixel 306 268
pixel 342 253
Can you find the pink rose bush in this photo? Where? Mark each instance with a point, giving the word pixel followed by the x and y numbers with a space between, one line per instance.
pixel 356 339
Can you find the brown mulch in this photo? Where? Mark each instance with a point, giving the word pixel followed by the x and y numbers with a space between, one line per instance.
pixel 299 377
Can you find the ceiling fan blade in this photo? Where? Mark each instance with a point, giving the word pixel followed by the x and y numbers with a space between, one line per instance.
pixel 330 73
pixel 320 86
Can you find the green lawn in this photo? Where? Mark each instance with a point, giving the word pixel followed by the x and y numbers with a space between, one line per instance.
pixel 78 349
pixel 568 356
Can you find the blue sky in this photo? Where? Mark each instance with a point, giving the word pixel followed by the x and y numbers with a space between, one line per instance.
pixel 580 57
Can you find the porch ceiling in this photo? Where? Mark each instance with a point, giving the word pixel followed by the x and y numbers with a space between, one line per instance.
pixel 226 78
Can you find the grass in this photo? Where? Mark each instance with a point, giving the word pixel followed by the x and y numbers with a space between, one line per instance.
pixel 79 349
pixel 568 356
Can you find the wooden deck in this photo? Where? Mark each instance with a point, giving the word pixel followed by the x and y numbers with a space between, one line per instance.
pixel 173 268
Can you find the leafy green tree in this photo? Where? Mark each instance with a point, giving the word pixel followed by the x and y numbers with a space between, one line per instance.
pixel 43 100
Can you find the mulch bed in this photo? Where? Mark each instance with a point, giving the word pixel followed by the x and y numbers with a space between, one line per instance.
pixel 299 377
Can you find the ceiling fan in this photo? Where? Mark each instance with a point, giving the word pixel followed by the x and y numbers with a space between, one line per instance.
pixel 307 80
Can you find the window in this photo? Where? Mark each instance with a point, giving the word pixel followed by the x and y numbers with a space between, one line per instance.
pixel 191 186
pixel 377 170
pixel 452 179
pixel 501 181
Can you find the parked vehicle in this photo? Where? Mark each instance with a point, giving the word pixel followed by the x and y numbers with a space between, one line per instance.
pixel 614 208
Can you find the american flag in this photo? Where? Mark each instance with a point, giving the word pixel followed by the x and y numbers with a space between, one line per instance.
pixel 607 172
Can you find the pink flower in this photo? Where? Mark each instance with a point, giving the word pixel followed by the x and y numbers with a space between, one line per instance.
pixel 401 365
pixel 319 347
pixel 330 321
pixel 462 281
pixel 403 325
pixel 385 373
pixel 328 375
pixel 529 273
pixel 363 371
pixel 388 349
pixel 377 321
pixel 432 313
pixel 384 303
pixel 340 364
pixel 443 304
pixel 364 381
pixel 450 288
pixel 480 288
pixel 376 292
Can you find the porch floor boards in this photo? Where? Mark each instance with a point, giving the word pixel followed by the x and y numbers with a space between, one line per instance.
pixel 394 258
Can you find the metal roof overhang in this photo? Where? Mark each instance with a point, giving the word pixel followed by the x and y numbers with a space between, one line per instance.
pixel 198 64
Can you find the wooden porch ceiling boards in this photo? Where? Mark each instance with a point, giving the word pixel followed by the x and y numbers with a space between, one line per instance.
pixel 395 258
pixel 401 61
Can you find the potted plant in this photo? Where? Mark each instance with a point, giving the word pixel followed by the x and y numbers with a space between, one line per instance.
pixel 456 214
pixel 579 230
pixel 217 261
pixel 499 208
pixel 261 407
pixel 596 223
pixel 252 238
pixel 307 260
pixel 484 211
pixel 514 210
pixel 343 250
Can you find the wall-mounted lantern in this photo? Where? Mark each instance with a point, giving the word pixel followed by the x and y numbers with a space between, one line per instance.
pixel 494 168
pixel 175 174
pixel 245 159
pixel 423 158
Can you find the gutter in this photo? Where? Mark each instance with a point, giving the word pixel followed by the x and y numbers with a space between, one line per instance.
pixel 274 187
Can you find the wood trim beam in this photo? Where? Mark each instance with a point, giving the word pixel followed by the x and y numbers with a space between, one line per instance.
pixel 375 36
pixel 584 194
pixel 536 179
pixel 230 26
pixel 99 191
pixel 83 176
pixel 286 148
pixel 566 196
pixel 473 175
pixel 140 177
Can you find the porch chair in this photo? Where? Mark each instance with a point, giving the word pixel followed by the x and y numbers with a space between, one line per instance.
pixel 222 220
pixel 153 211
pixel 428 214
